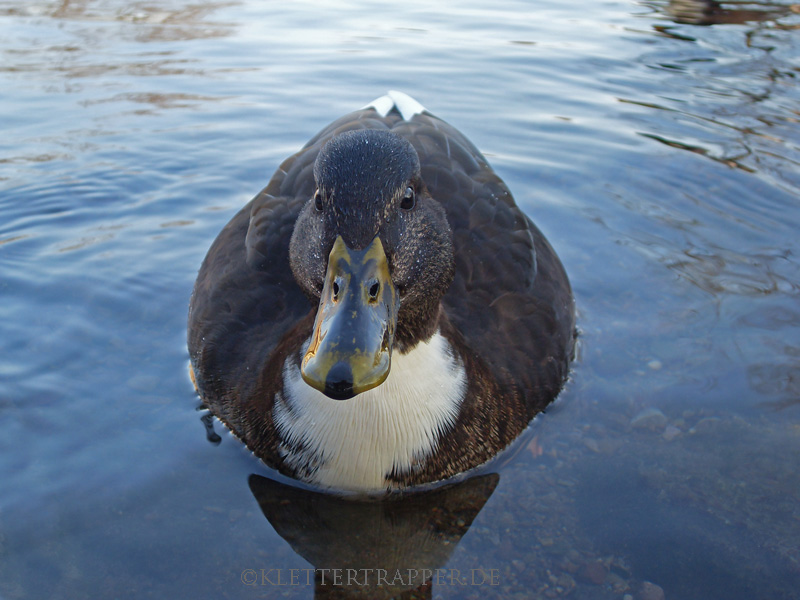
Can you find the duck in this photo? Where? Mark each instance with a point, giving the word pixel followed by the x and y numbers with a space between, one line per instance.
pixel 382 315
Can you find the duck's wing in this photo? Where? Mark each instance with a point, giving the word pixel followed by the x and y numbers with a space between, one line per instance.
pixel 510 298
pixel 244 301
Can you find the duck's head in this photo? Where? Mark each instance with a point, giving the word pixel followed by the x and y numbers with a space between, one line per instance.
pixel 374 249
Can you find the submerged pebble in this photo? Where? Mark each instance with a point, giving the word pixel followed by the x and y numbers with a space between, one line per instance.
pixel 649 418
pixel 593 572
pixel 592 445
pixel 650 591
pixel 670 433
pixel 706 425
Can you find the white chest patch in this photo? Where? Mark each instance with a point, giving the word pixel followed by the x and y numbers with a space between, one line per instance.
pixel 354 444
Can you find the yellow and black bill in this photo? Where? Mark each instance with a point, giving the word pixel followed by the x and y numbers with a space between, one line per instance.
pixel 351 346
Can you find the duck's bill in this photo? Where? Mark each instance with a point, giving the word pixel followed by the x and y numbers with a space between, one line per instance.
pixel 351 346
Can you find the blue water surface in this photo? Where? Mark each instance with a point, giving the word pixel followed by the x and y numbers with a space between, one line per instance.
pixel 657 146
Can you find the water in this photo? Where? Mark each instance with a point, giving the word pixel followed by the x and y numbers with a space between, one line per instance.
pixel 659 156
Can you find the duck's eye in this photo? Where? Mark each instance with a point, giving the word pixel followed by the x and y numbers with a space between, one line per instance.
pixel 409 199
pixel 318 201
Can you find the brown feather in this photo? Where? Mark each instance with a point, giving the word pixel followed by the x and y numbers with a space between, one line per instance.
pixel 508 312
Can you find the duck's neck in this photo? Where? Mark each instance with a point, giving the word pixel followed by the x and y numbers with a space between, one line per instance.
pixel 389 430
pixel 418 321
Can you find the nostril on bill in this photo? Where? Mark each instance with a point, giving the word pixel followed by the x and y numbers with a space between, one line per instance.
pixel 374 290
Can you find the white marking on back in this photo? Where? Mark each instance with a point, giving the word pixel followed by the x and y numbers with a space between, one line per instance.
pixel 405 104
pixel 356 443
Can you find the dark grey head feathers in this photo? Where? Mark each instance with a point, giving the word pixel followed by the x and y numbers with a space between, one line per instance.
pixel 369 184
pixel 357 172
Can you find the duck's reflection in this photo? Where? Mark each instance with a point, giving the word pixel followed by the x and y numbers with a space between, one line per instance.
pixel 360 548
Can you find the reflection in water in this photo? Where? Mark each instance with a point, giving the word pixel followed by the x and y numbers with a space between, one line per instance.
pixel 725 95
pixel 741 123
pixel 59 52
pixel 409 534
pixel 709 12
pixel 781 381
pixel 77 55
pixel 721 272
pixel 168 21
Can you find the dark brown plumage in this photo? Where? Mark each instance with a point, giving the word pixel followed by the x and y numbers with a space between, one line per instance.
pixel 508 312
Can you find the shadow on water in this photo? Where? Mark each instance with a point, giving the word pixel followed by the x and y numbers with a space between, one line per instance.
pixel 364 548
